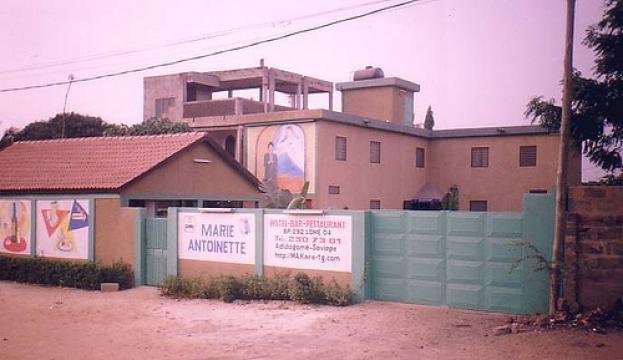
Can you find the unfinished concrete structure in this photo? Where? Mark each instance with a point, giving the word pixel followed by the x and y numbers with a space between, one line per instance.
pixel 368 156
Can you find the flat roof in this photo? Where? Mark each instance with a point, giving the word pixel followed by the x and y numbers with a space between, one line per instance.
pixel 371 83
pixel 260 119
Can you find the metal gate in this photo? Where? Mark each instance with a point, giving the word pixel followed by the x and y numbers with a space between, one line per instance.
pixel 460 259
pixel 155 251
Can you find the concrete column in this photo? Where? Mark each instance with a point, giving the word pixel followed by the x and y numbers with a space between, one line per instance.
pixel 264 90
pixel 230 94
pixel 298 96
pixel 305 95
pixel 331 100
pixel 271 93
pixel 238 153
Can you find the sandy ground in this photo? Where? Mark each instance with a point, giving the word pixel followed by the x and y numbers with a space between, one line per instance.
pixel 53 323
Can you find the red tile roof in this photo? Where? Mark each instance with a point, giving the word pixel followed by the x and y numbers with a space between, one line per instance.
pixel 96 163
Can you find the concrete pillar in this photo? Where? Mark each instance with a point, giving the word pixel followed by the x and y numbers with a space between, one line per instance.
pixel 305 95
pixel 271 93
pixel 331 100
pixel 230 94
pixel 238 153
pixel 298 96
pixel 264 90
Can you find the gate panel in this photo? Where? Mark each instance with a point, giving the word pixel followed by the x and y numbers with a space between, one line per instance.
pixel 460 259
pixel 155 251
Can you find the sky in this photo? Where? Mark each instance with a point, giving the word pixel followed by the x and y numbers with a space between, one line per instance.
pixel 478 62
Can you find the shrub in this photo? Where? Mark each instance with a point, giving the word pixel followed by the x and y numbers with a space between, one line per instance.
pixel 301 289
pixel 307 291
pixel 81 275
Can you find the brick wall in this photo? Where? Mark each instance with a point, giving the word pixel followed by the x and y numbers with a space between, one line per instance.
pixel 594 246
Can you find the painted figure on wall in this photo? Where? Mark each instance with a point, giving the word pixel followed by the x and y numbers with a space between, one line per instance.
pixel 270 167
pixel 284 159
pixel 61 223
pixel 14 226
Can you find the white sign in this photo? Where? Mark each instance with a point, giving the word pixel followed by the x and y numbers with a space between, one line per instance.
pixel 308 241
pixel 228 238
pixel 63 228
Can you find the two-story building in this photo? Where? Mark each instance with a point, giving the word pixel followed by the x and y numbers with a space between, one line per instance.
pixel 370 155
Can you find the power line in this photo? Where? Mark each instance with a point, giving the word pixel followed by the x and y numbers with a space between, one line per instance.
pixel 219 52
pixel 194 39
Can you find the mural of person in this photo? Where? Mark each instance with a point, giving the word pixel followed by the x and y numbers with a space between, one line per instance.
pixel 270 167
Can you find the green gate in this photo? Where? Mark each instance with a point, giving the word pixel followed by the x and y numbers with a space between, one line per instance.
pixel 155 251
pixel 463 259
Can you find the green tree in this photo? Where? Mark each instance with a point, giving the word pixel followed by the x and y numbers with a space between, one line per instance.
pixel 78 125
pixel 597 104
pixel 153 126
pixel 429 120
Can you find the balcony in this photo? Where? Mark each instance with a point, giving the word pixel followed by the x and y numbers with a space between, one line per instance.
pixel 229 106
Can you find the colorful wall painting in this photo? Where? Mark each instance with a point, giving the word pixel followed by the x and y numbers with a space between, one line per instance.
pixel 63 228
pixel 15 226
pixel 281 156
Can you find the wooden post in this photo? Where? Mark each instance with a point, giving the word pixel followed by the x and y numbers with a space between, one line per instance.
pixel 561 176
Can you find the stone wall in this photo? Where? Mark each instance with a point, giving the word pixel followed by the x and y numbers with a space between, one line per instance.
pixel 594 247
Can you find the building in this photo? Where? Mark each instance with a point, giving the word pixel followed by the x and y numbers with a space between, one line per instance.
pixel 368 156
pixel 78 198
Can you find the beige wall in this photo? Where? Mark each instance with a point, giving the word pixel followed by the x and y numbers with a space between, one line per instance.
pixel 180 175
pixel 199 268
pixel 163 87
pixel 382 103
pixel 503 183
pixel 392 181
pixel 115 232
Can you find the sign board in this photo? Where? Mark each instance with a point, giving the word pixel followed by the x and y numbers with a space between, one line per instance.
pixel 63 228
pixel 15 226
pixel 315 242
pixel 228 238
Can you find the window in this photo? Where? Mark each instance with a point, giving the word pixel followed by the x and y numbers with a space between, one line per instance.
pixel 478 205
pixel 375 152
pixel 375 204
pixel 340 148
pixel 538 191
pixel 527 156
pixel 480 157
pixel 419 157
pixel 230 145
pixel 334 190
pixel 163 105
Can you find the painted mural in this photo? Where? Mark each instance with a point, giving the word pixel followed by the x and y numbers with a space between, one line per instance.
pixel 15 226
pixel 281 153
pixel 63 228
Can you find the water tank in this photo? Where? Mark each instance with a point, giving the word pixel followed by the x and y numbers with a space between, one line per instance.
pixel 370 72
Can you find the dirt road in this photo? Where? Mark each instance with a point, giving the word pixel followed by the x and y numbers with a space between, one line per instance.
pixel 53 323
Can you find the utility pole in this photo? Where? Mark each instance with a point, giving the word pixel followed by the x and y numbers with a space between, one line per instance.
pixel 561 176
pixel 71 79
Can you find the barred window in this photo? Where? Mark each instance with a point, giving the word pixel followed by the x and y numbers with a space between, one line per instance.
pixel 480 157
pixel 375 152
pixel 163 105
pixel 375 204
pixel 420 156
pixel 334 190
pixel 527 156
pixel 340 148
pixel 478 205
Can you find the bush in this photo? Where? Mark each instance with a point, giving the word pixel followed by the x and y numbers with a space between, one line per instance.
pixel 301 289
pixel 87 276
pixel 307 291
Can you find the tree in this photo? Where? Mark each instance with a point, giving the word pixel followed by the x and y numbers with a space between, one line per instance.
pixel 597 103
pixel 153 126
pixel 78 125
pixel 450 200
pixel 429 120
